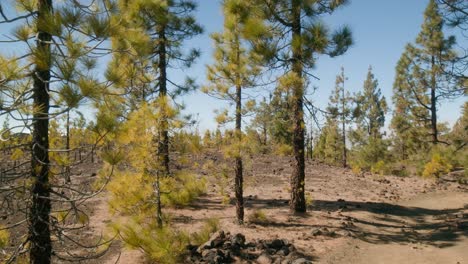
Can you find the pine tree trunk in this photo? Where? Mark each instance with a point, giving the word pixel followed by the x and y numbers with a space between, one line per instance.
pixel 163 147
pixel 297 181
pixel 435 139
pixel 157 190
pixel 343 123
pixel 239 170
pixel 39 230
pixel 67 147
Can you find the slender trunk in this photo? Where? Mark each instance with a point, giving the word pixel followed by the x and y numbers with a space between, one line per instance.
pixel 311 146
pixel 297 181
pixel 67 147
pixel 40 249
pixel 238 185
pixel 157 190
pixel 239 169
pixel 343 122
pixel 163 144
pixel 435 139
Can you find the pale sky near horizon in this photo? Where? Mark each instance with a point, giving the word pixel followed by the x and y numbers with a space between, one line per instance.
pixel 381 29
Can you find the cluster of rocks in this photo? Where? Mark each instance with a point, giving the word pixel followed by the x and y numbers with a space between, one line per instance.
pixel 227 248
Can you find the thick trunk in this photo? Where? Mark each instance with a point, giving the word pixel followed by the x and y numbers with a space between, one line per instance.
pixel 39 230
pixel 297 181
pixel 163 144
pixel 435 139
pixel 239 171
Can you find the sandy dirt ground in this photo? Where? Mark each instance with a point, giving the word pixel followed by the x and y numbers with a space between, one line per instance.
pixel 351 218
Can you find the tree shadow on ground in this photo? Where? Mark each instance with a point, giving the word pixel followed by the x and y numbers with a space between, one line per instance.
pixel 372 222
pixel 384 223
pixel 378 222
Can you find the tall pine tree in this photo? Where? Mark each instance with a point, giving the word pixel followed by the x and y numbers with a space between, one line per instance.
pixel 340 109
pixel 233 71
pixel 296 39
pixel 50 73
pixel 421 83
pixel 161 29
pixel 370 110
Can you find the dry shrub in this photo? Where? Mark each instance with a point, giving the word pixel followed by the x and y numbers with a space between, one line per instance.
pixel 437 166
pixel 211 226
pixel 257 217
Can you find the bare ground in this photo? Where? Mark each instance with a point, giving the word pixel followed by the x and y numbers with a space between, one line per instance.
pixel 352 218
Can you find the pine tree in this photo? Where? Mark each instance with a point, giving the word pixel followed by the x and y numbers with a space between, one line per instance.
pixel 233 71
pixel 455 14
pixel 297 39
pixel 459 134
pixel 50 75
pixel 421 83
pixel 261 121
pixel 160 29
pixel 340 109
pixel 369 148
pixel 329 144
pixel 370 110
pixel 39 216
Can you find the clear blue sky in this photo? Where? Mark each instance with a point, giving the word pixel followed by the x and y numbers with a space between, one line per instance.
pixel 381 30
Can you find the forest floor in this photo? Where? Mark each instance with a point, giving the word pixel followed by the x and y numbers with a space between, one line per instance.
pixel 351 219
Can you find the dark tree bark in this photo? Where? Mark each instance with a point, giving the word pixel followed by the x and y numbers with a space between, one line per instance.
pixel 435 138
pixel 163 144
pixel 297 181
pixel 39 230
pixel 159 218
pixel 239 170
pixel 67 147
pixel 343 124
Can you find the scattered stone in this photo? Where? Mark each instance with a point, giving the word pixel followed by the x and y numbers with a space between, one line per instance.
pixel 238 239
pixel 216 240
pixel 317 232
pixel 264 258
pixel 301 261
pixel 226 248
pixel 275 244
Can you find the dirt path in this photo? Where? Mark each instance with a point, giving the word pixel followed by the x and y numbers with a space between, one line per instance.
pixel 427 229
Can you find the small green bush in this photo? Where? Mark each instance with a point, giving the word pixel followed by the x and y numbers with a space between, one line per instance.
pixel 162 245
pixel 437 166
pixel 309 199
pixel 283 149
pixel 380 168
pixel 211 225
pixel 257 217
pixel 4 238
pixel 183 189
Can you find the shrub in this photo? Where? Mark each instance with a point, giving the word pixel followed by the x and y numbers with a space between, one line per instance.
pixel 437 166
pixel 283 149
pixel 162 245
pixel 184 189
pixel 370 157
pixel 257 217
pixel 211 225
pixel 356 169
pixel 4 238
pixel 379 168
pixel 309 199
